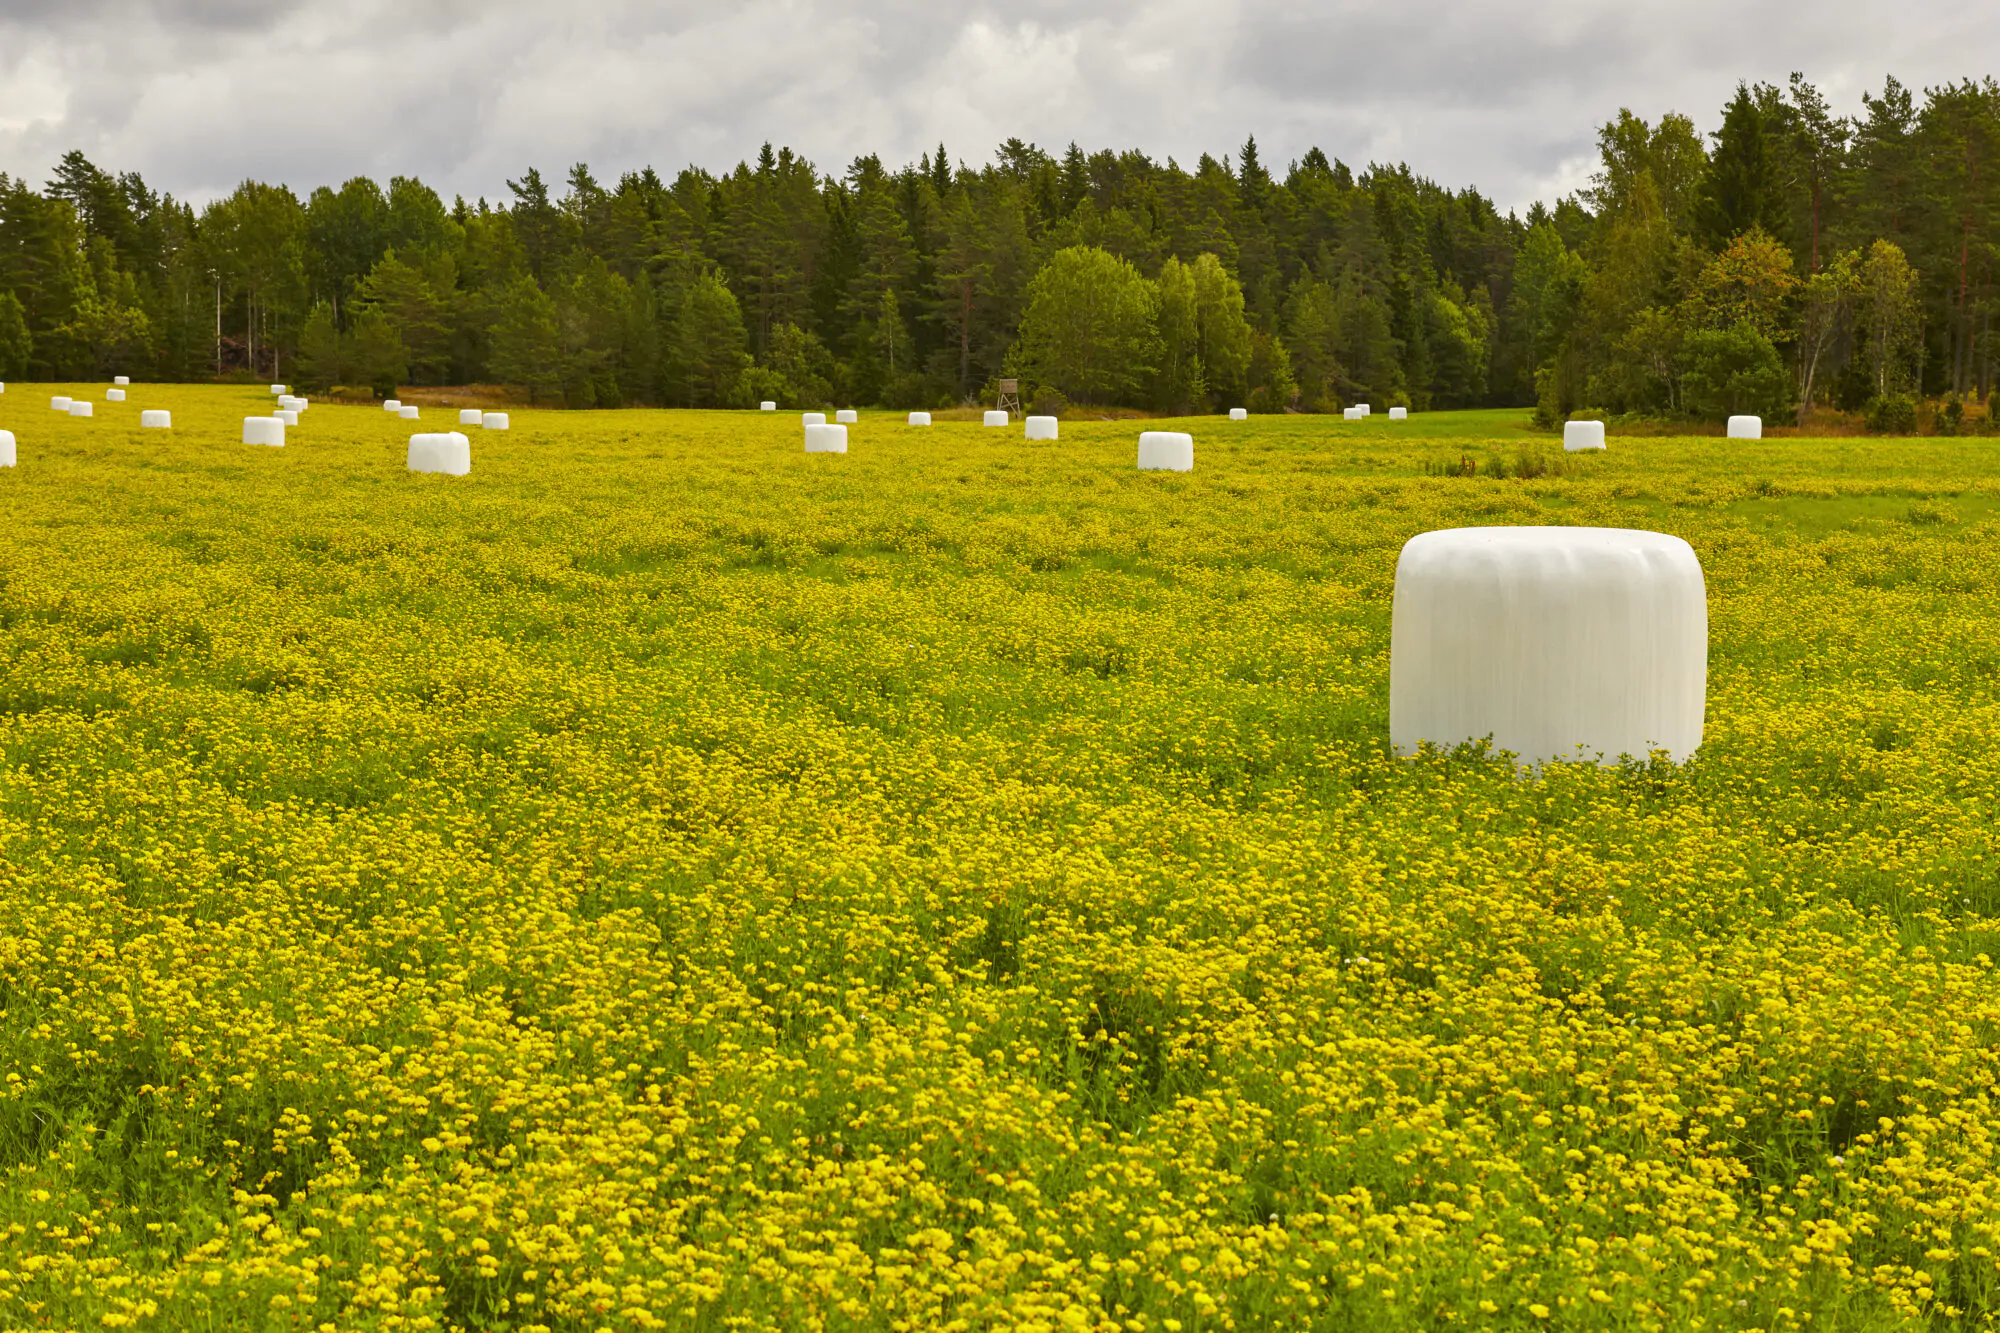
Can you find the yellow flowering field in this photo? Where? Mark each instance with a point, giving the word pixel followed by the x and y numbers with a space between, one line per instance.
pixel 666 880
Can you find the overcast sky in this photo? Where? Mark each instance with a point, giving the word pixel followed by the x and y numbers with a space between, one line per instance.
pixel 1501 94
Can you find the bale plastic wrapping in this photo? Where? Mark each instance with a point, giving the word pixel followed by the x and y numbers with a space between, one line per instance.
pixel 289 418
pixel 1746 428
pixel 122 381
pixel 392 404
pixel 281 388
pixel 59 404
pixel 767 406
pixel 824 439
pixel 1350 414
pixel 1581 435
pixel 6 448
pixel 1041 428
pixel 1399 414
pixel 156 419
pixel 495 421
pixel 470 416
pixel 995 419
pixel 449 452
pixel 407 412
pixel 1166 451
pixel 1239 414
pixel 263 430
pixel 920 418
pixel 1559 643
pixel 813 418
pixel 82 407
pixel 114 395
pixel 847 416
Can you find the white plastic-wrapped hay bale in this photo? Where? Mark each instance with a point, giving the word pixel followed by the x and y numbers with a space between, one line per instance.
pixel 1166 451
pixel 264 430
pixel 1362 408
pixel 82 407
pixel 824 439
pixel 767 406
pixel 1746 428
pixel 1040 428
pixel 1350 414
pixel 301 404
pixel 114 395
pixel 1239 414
pixel 290 404
pixel 281 388
pixel 392 404
pixel 59 404
pixel 156 419
pixel 495 421
pixel 121 381
pixel 470 416
pixel 813 418
pixel 449 453
pixel 1399 414
pixel 6 448
pixel 287 416
pixel 847 416
pixel 1581 435
pixel 996 419
pixel 407 411
pixel 1555 642
pixel 920 418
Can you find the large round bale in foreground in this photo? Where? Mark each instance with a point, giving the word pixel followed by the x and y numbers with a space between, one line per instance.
pixel 995 419
pixel 1041 428
pixel 1746 428
pixel 824 439
pixel 767 406
pixel 122 381
pixel 1166 451
pixel 1239 414
pixel 920 418
pixel 1581 435
pixel 114 395
pixel 263 430
pixel 847 416
pixel 408 411
pixel 1399 414
pixel 82 407
pixel 813 418
pixel 449 453
pixel 392 404
pixel 6 448
pixel 495 421
pixel 1556 642
pixel 470 416
pixel 156 419
pixel 59 404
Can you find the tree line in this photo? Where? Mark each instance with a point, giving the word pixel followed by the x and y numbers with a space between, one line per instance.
pixel 1792 259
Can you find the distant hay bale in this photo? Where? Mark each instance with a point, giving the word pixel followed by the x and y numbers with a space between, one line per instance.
pixel 59 404
pixel 995 419
pixel 1581 435
pixel 156 419
pixel 392 404
pixel 920 418
pixel 449 453
pixel 1239 414
pixel 281 388
pixel 1166 451
pixel 288 417
pixel 1362 408
pixel 264 430
pixel 122 381
pixel 495 421
pixel 847 416
pixel 407 411
pixel 1746 428
pixel 767 406
pixel 824 439
pixel 6 448
pixel 470 416
pixel 82 407
pixel 114 395
pixel 813 418
pixel 1399 414
pixel 1555 642
pixel 1350 414
pixel 1040 428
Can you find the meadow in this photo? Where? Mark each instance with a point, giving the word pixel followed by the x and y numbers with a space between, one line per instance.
pixel 666 880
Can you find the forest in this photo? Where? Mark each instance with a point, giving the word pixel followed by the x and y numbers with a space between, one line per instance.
pixel 1793 261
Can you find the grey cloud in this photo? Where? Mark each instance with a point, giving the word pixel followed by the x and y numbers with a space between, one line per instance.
pixel 200 94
